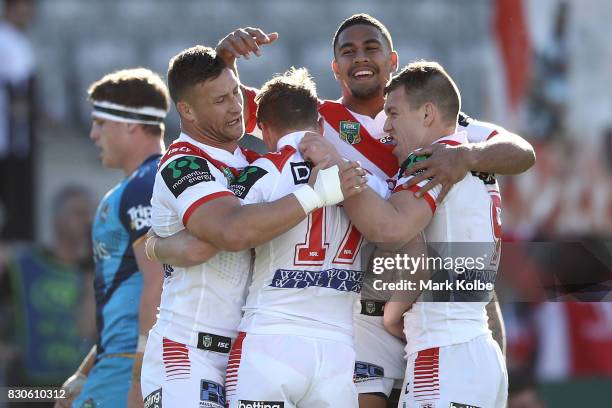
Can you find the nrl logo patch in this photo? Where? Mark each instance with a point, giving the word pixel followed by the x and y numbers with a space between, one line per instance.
pixel 349 132
pixel 207 340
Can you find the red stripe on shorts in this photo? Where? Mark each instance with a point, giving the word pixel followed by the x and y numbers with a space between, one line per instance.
pixel 426 382
pixel 176 360
pixel 231 376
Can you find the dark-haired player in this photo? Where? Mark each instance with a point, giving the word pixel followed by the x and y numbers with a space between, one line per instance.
pixel 187 351
pixel 364 60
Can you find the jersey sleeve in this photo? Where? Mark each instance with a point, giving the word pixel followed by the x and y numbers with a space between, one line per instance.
pixel 249 99
pixel 378 185
pixel 430 196
pixel 256 182
pixel 188 182
pixel 135 206
pixel 478 131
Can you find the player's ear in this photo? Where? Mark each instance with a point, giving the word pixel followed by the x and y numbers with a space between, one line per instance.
pixel 429 114
pixel 394 61
pixel 132 127
pixel 334 66
pixel 185 111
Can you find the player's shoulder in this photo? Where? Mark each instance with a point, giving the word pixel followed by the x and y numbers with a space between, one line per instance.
pixel 478 130
pixel 276 161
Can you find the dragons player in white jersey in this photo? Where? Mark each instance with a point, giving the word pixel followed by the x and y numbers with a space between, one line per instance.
pixel 363 62
pixel 453 360
pixel 187 350
pixel 295 347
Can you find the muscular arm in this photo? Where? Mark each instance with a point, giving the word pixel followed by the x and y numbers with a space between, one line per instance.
pixel 506 153
pixel 152 274
pixel 377 218
pixel 183 249
pixel 496 323
pixel 230 226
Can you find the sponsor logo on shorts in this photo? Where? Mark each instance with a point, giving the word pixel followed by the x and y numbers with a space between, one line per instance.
pixel 260 404
pixel 185 172
pixel 459 405
pixel 154 399
pixel 300 172
pixel 213 342
pixel 427 405
pixel 367 371
pixel 212 394
pixel 248 177
pixel 340 279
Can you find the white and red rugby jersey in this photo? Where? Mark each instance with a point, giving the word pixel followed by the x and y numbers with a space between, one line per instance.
pixel 470 213
pixel 306 281
pixel 209 297
pixel 362 138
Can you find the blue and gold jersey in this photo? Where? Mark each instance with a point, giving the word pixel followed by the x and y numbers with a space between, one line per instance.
pixel 123 217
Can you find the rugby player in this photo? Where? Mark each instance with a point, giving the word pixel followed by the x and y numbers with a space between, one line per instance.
pixel 364 60
pixel 452 357
pixel 187 351
pixel 129 108
pixel 295 345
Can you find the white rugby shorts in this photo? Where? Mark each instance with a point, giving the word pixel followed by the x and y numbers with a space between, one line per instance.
pixel 465 375
pixel 286 371
pixel 178 375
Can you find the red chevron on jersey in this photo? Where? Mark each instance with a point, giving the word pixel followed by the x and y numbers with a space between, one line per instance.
pixel 378 153
pixel 279 158
pixel 187 148
pixel 250 155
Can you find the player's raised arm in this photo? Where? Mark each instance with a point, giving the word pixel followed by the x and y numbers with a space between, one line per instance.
pixel 505 153
pixel 241 43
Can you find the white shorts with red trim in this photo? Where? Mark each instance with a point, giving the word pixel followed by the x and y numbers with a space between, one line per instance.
pixel 467 375
pixel 290 371
pixel 379 354
pixel 177 375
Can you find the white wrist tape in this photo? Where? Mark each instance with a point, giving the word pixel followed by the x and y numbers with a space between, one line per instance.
pixel 327 186
pixel 142 343
pixel 308 198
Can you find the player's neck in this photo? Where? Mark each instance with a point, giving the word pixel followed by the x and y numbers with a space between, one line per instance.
pixel 369 107
pixel 141 153
pixel 199 136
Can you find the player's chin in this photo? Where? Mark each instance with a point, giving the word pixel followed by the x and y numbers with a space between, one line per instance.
pixel 366 90
pixel 234 132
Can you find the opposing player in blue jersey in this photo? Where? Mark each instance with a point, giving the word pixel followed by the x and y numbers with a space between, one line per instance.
pixel 129 107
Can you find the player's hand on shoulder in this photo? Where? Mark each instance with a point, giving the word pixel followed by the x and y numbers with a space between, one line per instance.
pixel 315 148
pixel 353 178
pixel 446 165
pixel 242 42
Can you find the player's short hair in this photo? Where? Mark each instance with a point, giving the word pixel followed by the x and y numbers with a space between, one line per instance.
pixel 190 67
pixel 288 101
pixel 366 19
pixel 427 81
pixel 134 88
